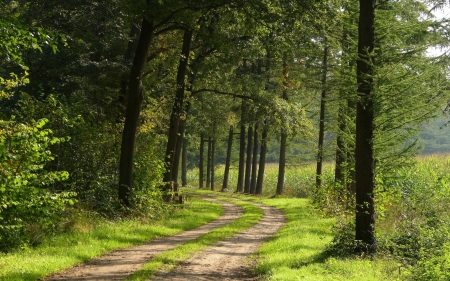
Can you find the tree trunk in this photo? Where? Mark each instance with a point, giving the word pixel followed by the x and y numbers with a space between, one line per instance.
pixel 179 144
pixel 240 183
pixel 184 163
pixel 213 151
pixel 201 165
pixel 283 137
pixel 365 164
pixel 177 109
pixel 135 97
pixel 262 162
pixel 341 152
pixel 351 175
pixel 255 161
pixel 322 119
pixel 228 160
pixel 248 166
pixel 281 164
pixel 208 165
pixel 128 57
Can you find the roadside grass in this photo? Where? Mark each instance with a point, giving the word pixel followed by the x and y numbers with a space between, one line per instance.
pixel 298 250
pixel 95 237
pixel 169 259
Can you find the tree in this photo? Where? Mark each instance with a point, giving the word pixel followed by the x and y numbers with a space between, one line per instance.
pixel 134 101
pixel 365 160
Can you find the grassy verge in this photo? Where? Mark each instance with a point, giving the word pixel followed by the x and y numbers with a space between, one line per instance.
pixel 297 251
pixel 169 259
pixel 93 239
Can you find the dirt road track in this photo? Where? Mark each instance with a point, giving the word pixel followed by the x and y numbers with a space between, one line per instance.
pixel 222 261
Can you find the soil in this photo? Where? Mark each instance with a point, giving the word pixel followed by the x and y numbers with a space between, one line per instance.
pixel 226 260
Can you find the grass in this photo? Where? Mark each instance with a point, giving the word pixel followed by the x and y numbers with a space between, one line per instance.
pixel 94 238
pixel 298 178
pixel 169 259
pixel 297 251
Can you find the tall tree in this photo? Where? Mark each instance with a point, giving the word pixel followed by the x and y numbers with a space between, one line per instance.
pixel 177 108
pixel 248 166
pixel 240 183
pixel 134 101
pixel 322 116
pixel 365 161
pixel 228 160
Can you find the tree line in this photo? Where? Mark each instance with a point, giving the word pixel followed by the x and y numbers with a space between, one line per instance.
pixel 102 100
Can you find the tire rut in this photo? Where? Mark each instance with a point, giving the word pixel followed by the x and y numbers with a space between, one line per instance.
pixel 228 259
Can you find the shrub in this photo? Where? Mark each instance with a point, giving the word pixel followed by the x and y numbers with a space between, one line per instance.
pixel 28 204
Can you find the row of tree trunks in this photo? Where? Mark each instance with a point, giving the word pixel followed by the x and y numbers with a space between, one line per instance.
pixel 179 144
pixel 210 163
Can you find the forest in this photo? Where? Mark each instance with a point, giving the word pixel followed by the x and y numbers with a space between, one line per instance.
pixel 111 106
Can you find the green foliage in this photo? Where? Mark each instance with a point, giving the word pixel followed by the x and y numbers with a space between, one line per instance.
pixel 27 199
pixel 416 226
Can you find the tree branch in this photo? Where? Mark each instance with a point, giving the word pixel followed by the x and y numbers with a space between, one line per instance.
pixel 222 93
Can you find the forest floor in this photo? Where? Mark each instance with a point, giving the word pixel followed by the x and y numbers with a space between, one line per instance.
pixel 228 259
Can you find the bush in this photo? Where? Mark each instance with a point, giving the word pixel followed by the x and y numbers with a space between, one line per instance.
pixel 28 204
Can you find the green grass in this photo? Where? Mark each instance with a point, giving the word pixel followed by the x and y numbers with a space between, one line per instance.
pixel 169 259
pixel 94 239
pixel 297 252
pixel 299 179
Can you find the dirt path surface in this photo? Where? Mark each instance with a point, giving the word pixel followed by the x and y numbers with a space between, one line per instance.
pixel 228 259
pixel 122 263
pixel 225 260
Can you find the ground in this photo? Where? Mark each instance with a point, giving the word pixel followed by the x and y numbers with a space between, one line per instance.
pixel 225 260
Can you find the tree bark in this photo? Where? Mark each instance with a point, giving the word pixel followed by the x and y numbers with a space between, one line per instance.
pixel 365 163
pixel 135 97
pixel 281 164
pixel 177 109
pixel 128 57
pixel 248 163
pixel 226 173
pixel 283 137
pixel 255 161
pixel 184 163
pixel 179 144
pixel 240 183
pixel 208 165
pixel 262 162
pixel 341 152
pixel 213 151
pixel 322 118
pixel 201 165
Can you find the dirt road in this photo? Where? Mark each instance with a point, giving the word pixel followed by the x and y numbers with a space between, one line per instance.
pixel 226 260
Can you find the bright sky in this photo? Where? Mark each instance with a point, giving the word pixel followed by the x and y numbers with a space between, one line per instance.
pixel 444 13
